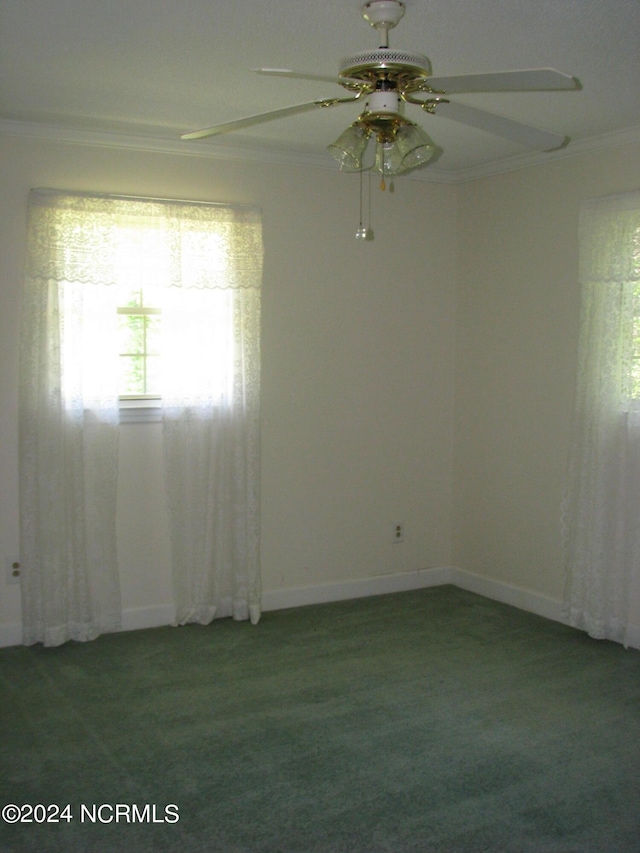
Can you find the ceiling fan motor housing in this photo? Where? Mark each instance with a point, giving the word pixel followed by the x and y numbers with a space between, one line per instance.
pixel 383 62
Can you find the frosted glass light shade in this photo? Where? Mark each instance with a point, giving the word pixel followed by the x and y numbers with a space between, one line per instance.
pixel 414 147
pixel 388 159
pixel 349 148
pixel 410 148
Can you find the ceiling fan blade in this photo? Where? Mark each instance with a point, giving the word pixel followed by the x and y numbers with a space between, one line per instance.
pixel 516 131
pixel 300 75
pixel 238 124
pixel 533 80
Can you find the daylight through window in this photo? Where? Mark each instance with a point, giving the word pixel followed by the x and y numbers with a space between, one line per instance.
pixel 139 339
pixel 632 371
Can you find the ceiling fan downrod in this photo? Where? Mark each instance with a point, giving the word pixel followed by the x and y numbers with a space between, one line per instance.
pixel 383 15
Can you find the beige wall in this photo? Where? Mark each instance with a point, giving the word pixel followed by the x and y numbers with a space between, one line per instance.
pixel 517 326
pixel 357 367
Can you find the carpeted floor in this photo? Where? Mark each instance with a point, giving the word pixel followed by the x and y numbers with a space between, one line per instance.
pixel 435 721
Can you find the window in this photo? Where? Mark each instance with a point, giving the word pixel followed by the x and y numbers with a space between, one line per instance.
pixel 152 297
pixel 139 344
pixel 602 498
pixel 147 299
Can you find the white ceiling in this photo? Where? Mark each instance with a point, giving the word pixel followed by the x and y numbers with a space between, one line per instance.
pixel 158 68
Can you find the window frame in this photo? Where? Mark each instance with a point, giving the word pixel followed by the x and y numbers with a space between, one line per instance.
pixel 139 408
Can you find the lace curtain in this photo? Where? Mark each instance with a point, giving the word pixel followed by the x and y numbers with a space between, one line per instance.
pixel 205 262
pixel 601 513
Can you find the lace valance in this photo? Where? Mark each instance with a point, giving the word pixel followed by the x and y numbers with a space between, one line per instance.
pixel 610 239
pixel 96 239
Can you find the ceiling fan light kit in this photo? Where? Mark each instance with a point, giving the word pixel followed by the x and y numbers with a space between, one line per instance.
pixel 388 79
pixel 400 145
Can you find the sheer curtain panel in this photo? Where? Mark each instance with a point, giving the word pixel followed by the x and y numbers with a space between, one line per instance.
pixel 211 425
pixel 601 511
pixel 202 263
pixel 68 440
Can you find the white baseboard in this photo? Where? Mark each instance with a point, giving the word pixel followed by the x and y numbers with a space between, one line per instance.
pixel 156 616
pixel 135 618
pixel 633 636
pixel 341 590
pixel 506 593
pixel 525 599
pixel 281 599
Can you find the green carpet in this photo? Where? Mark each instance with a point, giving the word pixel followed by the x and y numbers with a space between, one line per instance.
pixel 435 721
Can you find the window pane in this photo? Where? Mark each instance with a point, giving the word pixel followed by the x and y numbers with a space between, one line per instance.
pixel 128 298
pixel 153 375
pixel 132 375
pixel 131 331
pixel 154 328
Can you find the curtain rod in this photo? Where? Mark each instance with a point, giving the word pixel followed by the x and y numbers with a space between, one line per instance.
pixel 158 199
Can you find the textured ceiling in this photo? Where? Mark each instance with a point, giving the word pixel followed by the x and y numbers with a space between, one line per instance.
pixel 157 68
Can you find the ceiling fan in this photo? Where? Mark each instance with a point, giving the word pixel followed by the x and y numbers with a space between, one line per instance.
pixel 386 80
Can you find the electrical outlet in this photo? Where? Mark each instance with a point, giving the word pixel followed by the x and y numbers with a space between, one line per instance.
pixel 398 532
pixel 12 568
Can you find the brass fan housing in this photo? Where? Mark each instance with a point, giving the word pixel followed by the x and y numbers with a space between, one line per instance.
pixel 405 71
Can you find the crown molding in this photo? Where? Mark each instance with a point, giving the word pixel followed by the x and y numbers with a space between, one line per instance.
pixel 240 151
pixel 615 139
pixel 156 144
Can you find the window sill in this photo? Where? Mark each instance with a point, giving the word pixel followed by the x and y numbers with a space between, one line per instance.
pixel 140 411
